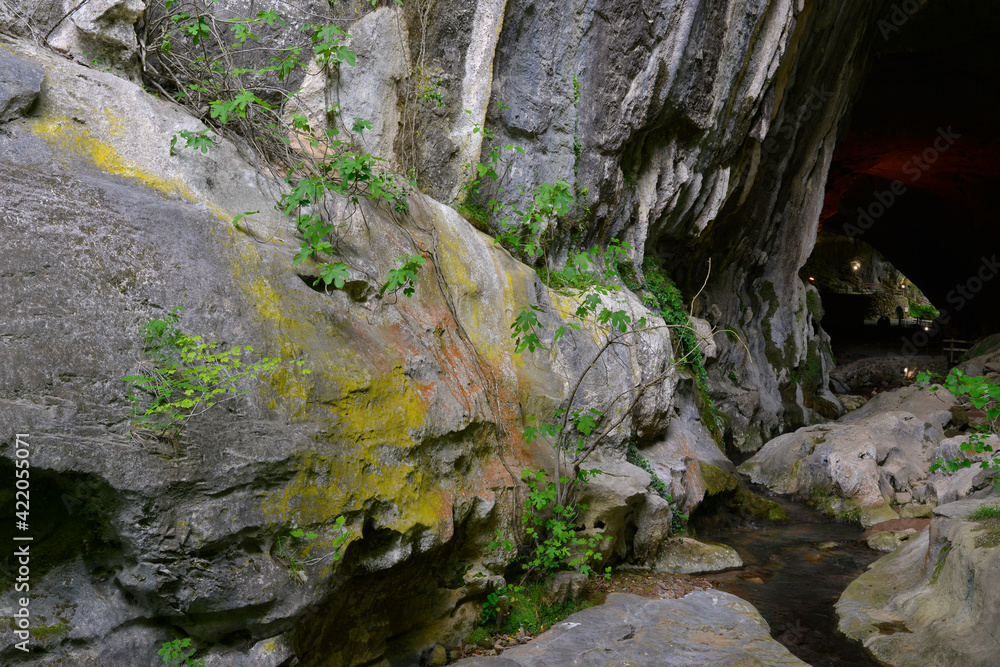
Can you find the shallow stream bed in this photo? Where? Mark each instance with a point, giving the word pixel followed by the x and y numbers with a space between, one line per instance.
pixel 794 573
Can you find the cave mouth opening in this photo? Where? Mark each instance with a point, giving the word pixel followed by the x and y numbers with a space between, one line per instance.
pixel 883 329
pixel 912 196
pixel 870 308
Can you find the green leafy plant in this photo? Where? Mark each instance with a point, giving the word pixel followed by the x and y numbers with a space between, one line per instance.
pixel 664 296
pixel 186 375
pixel 526 609
pixel 549 525
pixel 198 140
pixel 552 541
pixel 592 269
pixel 480 195
pixel 433 93
pixel 523 238
pixel 979 394
pixel 200 55
pixel 678 519
pixel 404 276
pixel 287 548
pixel 481 200
pixel 176 653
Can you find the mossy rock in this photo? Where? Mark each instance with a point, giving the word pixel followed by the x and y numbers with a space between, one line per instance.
pixel 833 505
pixel 738 496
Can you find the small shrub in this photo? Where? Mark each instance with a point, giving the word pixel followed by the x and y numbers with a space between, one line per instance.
pixel 528 608
pixel 176 654
pixel 286 548
pixel 187 375
pixel 549 524
pixel 588 270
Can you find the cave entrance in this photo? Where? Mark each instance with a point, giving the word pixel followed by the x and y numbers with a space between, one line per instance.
pixel 912 192
pixel 879 321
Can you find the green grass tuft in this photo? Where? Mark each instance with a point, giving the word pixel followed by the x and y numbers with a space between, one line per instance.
pixel 985 512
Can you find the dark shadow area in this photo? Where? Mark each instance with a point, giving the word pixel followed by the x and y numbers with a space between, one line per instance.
pixel 916 173
pixel 869 307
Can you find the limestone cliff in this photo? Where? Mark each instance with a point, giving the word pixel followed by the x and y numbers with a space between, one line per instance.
pixel 697 131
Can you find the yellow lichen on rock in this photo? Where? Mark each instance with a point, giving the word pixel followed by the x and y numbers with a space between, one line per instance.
pixel 67 136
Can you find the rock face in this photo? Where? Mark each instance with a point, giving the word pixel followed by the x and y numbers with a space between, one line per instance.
pixel 931 603
pixel 20 83
pixel 702 628
pixel 408 425
pixel 698 131
pixel 101 33
pixel 695 131
pixel 854 468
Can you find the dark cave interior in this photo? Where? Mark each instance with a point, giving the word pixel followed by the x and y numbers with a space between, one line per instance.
pixel 916 171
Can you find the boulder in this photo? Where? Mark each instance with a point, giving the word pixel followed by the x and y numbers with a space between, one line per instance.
pixel 932 602
pixel 615 500
pixel 871 458
pixel 889 540
pixel 684 555
pixel 933 407
pixel 916 511
pixel 20 83
pixel 702 628
pixel 849 470
pixel 850 402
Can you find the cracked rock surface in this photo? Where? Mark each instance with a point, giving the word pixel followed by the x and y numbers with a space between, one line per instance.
pixel 702 628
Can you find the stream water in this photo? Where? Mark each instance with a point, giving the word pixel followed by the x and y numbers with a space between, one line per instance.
pixel 794 573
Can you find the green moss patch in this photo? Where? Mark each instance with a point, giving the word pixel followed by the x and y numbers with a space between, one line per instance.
pixel 988 519
pixel 736 497
pixel 942 557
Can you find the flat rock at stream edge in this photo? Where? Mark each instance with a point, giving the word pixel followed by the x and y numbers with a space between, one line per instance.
pixel 932 602
pixel 702 628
